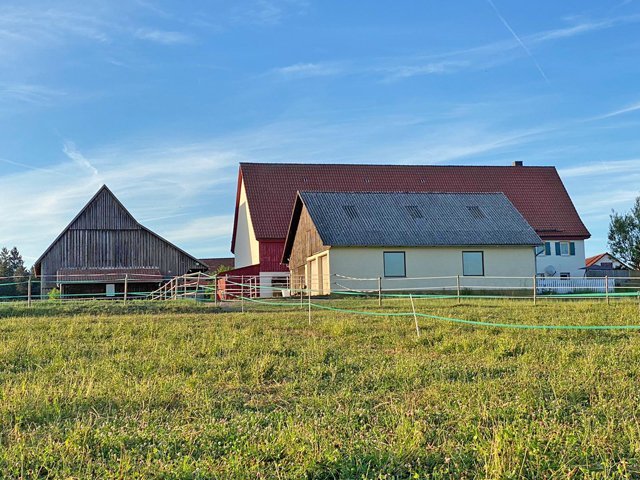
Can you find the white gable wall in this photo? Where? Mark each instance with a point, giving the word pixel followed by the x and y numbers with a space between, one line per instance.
pixel 247 248
pixel 572 264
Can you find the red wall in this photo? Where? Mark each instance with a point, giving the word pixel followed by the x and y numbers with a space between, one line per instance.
pixel 271 256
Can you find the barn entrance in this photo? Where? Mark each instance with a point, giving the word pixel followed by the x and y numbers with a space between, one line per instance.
pixel 317 273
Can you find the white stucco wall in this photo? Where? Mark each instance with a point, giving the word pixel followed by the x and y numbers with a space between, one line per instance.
pixel 572 264
pixel 432 262
pixel 247 248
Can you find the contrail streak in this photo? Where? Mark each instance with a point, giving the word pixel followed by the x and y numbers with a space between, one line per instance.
pixel 515 35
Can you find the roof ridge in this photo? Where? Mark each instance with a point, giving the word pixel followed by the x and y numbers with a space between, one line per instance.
pixel 329 164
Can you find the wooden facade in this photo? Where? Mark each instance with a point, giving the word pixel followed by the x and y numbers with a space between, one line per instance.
pixel 306 243
pixel 104 236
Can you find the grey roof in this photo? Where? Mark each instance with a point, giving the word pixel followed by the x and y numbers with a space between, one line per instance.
pixel 417 219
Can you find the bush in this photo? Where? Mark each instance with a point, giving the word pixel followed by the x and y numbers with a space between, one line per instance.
pixel 54 294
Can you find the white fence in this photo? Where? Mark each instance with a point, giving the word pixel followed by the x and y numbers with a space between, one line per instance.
pixel 576 285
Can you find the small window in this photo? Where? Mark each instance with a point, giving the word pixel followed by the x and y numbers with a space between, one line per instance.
pixel 608 265
pixel 394 264
pixel 539 250
pixel 564 249
pixel 565 275
pixel 110 290
pixel 473 264
pixel 414 211
pixel 476 212
pixel 351 211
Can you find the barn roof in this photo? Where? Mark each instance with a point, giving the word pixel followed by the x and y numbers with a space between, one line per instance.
pixel 118 217
pixel 399 219
pixel 537 192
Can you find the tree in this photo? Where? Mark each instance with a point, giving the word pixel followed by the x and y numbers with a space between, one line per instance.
pixel 624 235
pixel 13 274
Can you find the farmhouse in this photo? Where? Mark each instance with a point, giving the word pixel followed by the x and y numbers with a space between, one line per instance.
pixel 396 236
pixel 266 193
pixel 606 265
pixel 104 245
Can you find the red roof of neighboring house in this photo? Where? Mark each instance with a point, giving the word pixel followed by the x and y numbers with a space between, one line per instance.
pixel 214 263
pixel 589 262
pixel 537 192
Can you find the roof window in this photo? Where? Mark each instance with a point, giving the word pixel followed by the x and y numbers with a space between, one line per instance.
pixel 351 211
pixel 476 212
pixel 414 211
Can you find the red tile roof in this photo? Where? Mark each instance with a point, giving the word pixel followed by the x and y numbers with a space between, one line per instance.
pixel 593 260
pixel 537 192
pixel 214 263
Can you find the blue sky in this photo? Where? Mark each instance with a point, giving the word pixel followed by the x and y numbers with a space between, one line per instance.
pixel 161 100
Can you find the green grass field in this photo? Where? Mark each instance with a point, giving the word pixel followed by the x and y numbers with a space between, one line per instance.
pixel 183 391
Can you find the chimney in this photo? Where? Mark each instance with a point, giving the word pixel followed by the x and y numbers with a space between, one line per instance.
pixel 517 163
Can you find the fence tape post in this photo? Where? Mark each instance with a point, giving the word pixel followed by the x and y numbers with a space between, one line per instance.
pixel 29 292
pixel 606 288
pixel 535 289
pixel 415 317
pixel 309 306
pixel 215 290
pixel 242 292
pixel 379 291
pixel 458 288
pixel 126 287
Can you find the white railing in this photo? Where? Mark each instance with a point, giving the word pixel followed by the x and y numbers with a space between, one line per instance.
pixel 576 285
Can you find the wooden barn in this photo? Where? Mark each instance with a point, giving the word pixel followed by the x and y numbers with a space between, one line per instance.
pixel 103 248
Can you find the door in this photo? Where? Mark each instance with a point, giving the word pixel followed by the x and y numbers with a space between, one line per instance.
pixel 326 278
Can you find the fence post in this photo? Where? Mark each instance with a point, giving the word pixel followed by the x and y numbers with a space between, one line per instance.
pixel 242 292
pixel 458 288
pixel 29 292
pixel 415 317
pixel 535 289
pixel 309 289
pixel 215 290
pixel 379 291
pixel 606 288
pixel 126 286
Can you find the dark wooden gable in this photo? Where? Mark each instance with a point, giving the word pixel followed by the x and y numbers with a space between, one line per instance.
pixel 104 235
pixel 104 212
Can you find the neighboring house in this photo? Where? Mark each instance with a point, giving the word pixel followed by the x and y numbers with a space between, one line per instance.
pixel 102 245
pixel 266 193
pixel 398 236
pixel 606 265
pixel 214 264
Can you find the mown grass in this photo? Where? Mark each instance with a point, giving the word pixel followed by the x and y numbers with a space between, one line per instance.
pixel 262 394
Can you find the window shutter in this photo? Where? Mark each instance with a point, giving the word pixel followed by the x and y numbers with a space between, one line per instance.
pixel 558 253
pixel 547 248
pixel 572 248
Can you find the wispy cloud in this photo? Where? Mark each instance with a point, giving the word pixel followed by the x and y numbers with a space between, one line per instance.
pixel 163 37
pixel 474 58
pixel 518 39
pixel 70 150
pixel 304 70
pixel 621 111
pixel 29 94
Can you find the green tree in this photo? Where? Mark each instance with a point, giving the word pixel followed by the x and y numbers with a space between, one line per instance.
pixel 624 235
pixel 13 274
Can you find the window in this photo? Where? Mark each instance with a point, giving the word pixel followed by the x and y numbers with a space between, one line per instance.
pixel 564 249
pixel 351 211
pixel 565 275
pixel 414 211
pixel 110 290
pixel 476 212
pixel 394 264
pixel 539 250
pixel 473 264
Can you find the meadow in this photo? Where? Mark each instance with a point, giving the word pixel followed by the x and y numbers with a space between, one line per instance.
pixel 180 390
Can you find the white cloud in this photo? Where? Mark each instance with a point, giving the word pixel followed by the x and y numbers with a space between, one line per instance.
pixel 70 150
pixel 303 70
pixel 163 37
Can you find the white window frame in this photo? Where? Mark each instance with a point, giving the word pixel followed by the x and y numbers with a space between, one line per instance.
pixel 565 275
pixel 565 244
